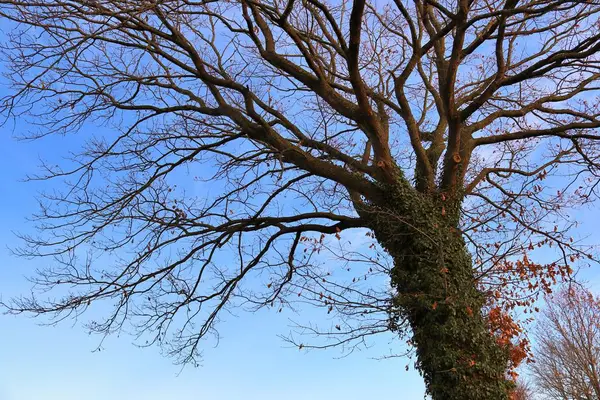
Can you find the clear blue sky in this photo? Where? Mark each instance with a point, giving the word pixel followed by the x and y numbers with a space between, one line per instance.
pixel 47 363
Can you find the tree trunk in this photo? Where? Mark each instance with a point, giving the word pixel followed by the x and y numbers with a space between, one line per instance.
pixel 436 292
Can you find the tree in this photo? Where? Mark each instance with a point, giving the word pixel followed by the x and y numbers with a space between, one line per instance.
pixel 522 391
pixel 456 135
pixel 567 354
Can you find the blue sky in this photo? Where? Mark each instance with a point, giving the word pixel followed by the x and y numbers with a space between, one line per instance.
pixel 41 362
pixel 58 362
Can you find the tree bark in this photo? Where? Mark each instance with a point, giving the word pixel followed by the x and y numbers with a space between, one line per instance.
pixel 436 292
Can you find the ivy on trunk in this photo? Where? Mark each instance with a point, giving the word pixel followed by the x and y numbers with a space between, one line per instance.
pixel 435 289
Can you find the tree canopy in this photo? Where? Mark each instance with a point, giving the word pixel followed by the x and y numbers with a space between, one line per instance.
pixel 455 137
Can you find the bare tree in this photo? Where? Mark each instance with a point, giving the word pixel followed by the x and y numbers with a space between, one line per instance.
pixel 567 353
pixel 458 135
pixel 522 391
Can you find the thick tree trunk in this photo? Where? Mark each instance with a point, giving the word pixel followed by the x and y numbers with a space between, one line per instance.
pixel 433 275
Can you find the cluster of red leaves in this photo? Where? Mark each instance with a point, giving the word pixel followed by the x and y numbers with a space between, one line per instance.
pixel 509 334
pixel 518 286
pixel 523 279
